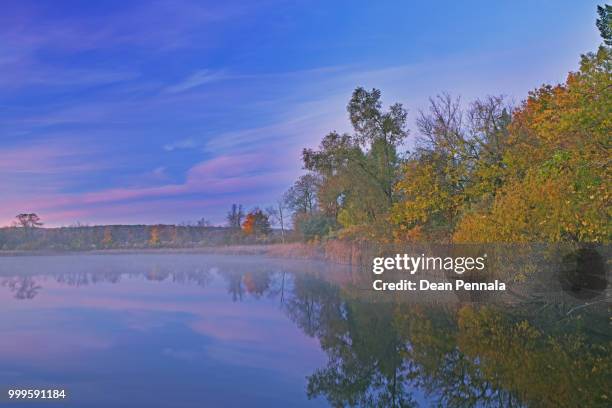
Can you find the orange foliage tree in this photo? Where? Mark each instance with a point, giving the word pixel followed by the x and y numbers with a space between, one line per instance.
pixel 256 223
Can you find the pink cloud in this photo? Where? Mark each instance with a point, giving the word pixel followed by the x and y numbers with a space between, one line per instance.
pixel 249 174
pixel 43 159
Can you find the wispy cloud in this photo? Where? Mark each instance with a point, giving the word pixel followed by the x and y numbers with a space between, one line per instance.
pixel 180 145
pixel 46 76
pixel 195 80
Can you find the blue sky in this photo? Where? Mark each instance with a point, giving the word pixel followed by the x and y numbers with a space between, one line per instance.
pixel 169 111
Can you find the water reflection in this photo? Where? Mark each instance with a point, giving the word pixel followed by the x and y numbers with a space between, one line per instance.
pixel 249 320
pixel 24 287
pixel 534 353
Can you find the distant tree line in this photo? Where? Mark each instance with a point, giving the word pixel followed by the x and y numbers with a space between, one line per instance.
pixel 254 227
pixel 131 237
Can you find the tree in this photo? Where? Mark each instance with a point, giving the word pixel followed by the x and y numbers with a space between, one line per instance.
pixel 107 239
pixel 302 196
pixel 234 216
pixel 276 215
pixel 604 23
pixel 458 164
pixel 314 226
pixel 154 236
pixel 30 220
pixel 557 165
pixel 256 223
pixel 203 222
pixel 335 164
pixel 357 172
pixel 381 131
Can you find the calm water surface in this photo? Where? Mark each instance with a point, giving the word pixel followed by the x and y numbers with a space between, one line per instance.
pixel 174 330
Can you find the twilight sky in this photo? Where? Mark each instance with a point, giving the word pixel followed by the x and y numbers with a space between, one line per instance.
pixel 169 111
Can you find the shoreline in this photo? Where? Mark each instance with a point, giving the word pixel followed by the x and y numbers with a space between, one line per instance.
pixel 221 250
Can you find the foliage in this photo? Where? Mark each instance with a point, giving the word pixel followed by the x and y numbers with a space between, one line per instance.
pixel 107 241
pixel 314 226
pixel 485 172
pixel 557 166
pixel 357 172
pixel 457 165
pixel 119 237
pixel 604 23
pixel 256 223
pixel 154 236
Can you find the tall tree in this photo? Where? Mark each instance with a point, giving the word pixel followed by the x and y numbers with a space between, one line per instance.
pixel 358 171
pixel 235 216
pixel 382 132
pixel 277 215
pixel 302 196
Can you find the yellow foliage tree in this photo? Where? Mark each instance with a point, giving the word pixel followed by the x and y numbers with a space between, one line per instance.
pixel 107 240
pixel 558 174
pixel 154 236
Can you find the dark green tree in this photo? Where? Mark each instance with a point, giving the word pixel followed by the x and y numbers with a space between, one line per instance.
pixel 604 23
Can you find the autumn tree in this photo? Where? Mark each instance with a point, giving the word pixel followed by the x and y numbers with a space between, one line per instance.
pixel 457 164
pixel 256 223
pixel 557 168
pixel 154 239
pixel 107 239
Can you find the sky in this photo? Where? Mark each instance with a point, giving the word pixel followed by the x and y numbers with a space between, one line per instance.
pixel 153 112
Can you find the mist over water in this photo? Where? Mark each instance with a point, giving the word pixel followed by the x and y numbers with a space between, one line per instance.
pixel 178 330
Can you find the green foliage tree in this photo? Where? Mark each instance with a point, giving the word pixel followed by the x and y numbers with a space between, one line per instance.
pixel 604 23
pixel 358 171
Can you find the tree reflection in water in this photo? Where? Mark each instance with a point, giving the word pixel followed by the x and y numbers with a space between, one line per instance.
pixel 392 354
pixel 24 287
pixel 401 352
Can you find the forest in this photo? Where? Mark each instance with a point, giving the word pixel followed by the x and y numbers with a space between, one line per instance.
pixel 485 171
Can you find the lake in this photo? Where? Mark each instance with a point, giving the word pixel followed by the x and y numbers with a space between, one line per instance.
pixel 189 330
